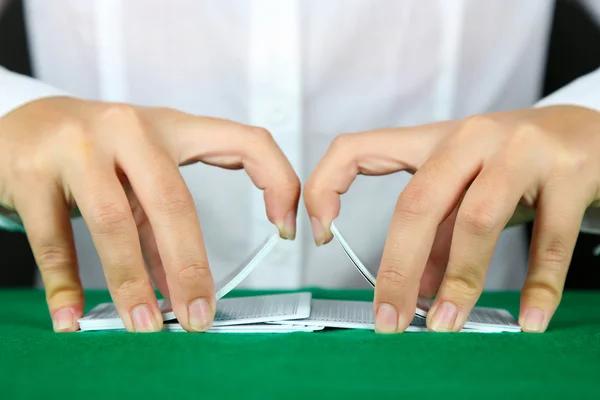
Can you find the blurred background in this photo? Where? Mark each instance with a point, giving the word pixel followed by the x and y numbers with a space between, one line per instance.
pixel 574 51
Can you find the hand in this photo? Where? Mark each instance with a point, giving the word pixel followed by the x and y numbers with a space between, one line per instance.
pixel 471 176
pixel 118 164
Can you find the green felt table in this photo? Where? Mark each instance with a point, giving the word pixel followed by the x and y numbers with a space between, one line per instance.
pixel 564 361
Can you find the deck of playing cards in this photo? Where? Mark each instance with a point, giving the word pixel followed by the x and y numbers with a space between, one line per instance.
pixel 295 312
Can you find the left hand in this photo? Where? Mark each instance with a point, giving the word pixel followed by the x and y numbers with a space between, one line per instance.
pixel 473 177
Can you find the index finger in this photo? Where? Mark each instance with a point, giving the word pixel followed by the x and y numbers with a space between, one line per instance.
pixel 377 152
pixel 232 145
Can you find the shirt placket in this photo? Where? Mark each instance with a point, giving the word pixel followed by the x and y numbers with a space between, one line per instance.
pixel 275 103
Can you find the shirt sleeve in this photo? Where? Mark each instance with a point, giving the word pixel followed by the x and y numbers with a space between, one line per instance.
pixel 582 92
pixel 17 90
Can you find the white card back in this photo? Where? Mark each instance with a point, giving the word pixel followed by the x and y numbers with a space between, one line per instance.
pixel 346 314
pixel 249 328
pixel 231 311
pixel 267 308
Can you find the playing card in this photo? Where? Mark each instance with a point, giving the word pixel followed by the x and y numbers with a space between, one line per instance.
pixel 268 308
pixel 481 319
pixel 346 314
pixel 105 316
pixel 421 301
pixel 230 311
pixel 250 328
pixel 108 315
pixel 232 280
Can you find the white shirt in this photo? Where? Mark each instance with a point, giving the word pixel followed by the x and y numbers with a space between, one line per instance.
pixel 307 70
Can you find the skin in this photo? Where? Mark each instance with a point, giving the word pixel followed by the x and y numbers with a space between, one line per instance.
pixel 118 165
pixel 472 178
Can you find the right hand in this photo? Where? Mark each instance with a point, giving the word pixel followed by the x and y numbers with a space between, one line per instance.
pixel 118 164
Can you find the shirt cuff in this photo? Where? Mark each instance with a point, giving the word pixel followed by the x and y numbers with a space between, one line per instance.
pixel 582 92
pixel 17 90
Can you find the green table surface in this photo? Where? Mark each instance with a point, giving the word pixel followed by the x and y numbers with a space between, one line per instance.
pixel 563 362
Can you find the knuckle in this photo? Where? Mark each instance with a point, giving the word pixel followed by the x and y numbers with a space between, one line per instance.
pixel 528 133
pixel 291 182
pixel 542 292
pixel 568 162
pixel 523 138
pixel 465 285
pixel 555 254
pixel 119 112
pixel 342 142
pixel 123 115
pixel 31 165
pixel 107 218
pixel 194 272
pixel 476 125
pixel 259 134
pixel 480 220
pixel 312 191
pixel 21 166
pixel 414 201
pixel 131 285
pixel 171 200
pixel 59 292
pixel 68 130
pixel 53 258
pixel 391 277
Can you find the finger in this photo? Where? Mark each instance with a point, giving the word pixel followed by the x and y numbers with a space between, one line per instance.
pixel 559 213
pixel 426 201
pixel 106 211
pixel 438 258
pixel 483 214
pixel 231 145
pixel 45 216
pixel 378 152
pixel 148 243
pixel 152 257
pixel 169 206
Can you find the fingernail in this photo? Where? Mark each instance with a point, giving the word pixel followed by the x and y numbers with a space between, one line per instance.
pixel 289 226
pixel 386 320
pixel 533 320
pixel 318 232
pixel 200 315
pixel 64 320
pixel 143 319
pixel 444 317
